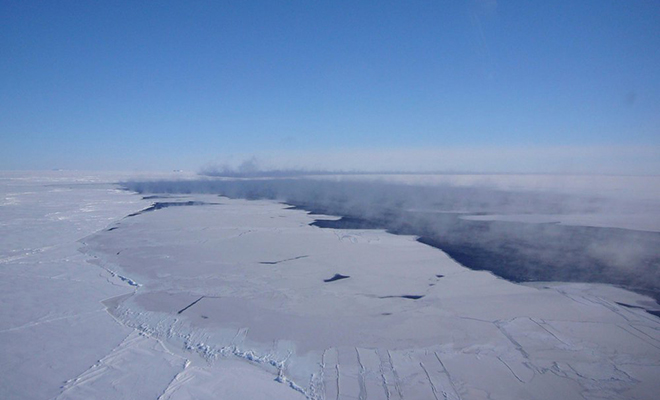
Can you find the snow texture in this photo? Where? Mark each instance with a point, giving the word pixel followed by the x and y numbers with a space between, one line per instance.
pixel 238 300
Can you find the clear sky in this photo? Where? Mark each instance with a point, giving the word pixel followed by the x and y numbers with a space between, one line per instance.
pixel 551 86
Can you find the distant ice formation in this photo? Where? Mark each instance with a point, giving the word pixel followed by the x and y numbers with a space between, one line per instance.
pixel 256 299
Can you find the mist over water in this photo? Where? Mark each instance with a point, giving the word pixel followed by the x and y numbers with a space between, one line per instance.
pixel 516 251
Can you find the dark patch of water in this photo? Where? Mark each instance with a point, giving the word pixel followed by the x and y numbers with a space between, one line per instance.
pixel 161 205
pixel 524 252
pixel 281 261
pixel 190 305
pixel 346 223
pixel 162 196
pixel 512 250
pixel 652 312
pixel 336 277
pixel 405 296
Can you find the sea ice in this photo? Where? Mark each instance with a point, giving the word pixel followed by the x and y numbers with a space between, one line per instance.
pixel 246 299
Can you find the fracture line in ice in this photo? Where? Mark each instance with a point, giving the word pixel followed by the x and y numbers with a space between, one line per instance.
pixel 39 322
pixel 361 372
pixel 123 278
pixel 195 342
pixel 428 376
pixel 178 380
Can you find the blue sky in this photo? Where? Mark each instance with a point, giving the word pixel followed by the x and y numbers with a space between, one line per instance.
pixel 574 85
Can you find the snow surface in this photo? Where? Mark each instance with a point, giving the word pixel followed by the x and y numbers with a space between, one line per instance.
pixel 230 300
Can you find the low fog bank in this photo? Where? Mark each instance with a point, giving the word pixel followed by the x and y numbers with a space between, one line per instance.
pixel 513 250
pixel 374 198
pixel 251 168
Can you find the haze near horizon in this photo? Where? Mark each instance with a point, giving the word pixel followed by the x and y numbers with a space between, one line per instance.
pixel 472 86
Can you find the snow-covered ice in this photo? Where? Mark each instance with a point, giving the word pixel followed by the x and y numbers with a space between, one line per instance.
pixel 227 298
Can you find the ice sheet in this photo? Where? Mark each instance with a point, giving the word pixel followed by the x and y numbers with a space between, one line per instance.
pixel 250 280
pixel 237 300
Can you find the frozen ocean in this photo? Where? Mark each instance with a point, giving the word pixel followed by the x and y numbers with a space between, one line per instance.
pixel 356 287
